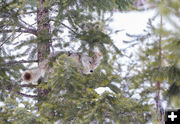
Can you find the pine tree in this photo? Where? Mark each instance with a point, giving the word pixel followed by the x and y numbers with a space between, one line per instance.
pixel 170 47
pixel 68 96
pixel 156 65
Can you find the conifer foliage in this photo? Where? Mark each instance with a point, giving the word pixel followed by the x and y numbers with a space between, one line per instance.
pixel 157 62
pixel 33 29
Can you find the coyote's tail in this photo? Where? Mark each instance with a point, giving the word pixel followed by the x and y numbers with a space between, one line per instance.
pixel 28 76
pixel 35 74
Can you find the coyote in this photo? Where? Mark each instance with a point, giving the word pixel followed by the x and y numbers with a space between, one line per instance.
pixel 88 63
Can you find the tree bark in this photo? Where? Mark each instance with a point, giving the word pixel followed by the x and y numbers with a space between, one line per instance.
pixel 158 84
pixel 43 31
pixel 43 38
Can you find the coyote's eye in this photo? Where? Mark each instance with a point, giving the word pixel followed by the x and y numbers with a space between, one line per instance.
pixel 90 62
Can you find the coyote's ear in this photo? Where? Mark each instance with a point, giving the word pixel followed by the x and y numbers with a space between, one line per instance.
pixel 99 54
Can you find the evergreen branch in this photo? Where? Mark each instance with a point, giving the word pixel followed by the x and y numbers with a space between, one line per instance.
pixel 25 95
pixel 28 85
pixel 66 26
pixel 17 36
pixel 125 114
pixel 35 11
pixel 19 24
pixel 27 30
pixel 5 41
pixel 11 88
pixel 18 62
pixel 27 24
pixel 9 38
pixel 55 3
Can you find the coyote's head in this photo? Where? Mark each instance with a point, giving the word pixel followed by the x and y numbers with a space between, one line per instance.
pixel 91 63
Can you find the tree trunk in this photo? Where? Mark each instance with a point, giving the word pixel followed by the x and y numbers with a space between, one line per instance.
pixel 43 37
pixel 43 31
pixel 158 84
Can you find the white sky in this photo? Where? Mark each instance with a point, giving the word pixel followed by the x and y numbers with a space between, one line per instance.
pixel 131 22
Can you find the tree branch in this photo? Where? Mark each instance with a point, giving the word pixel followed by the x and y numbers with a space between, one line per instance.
pixel 5 41
pixel 66 26
pixel 11 88
pixel 35 11
pixel 28 85
pixel 9 38
pixel 25 95
pixel 27 30
pixel 18 62
pixel 27 24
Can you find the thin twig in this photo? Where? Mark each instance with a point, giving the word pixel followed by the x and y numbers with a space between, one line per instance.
pixel 33 31
pixel 27 24
pixel 66 26
pixel 5 40
pixel 9 38
pixel 17 36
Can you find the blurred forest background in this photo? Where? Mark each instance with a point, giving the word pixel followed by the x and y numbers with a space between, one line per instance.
pixel 30 30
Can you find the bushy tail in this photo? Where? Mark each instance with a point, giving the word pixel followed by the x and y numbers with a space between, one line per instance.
pixel 35 74
pixel 28 76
